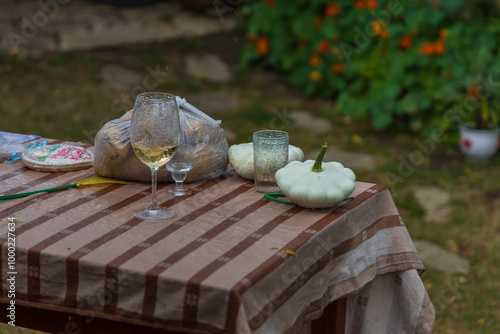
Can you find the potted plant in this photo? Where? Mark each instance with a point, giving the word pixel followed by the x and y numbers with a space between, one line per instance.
pixel 479 138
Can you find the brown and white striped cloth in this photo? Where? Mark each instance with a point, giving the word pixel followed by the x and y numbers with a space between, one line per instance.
pixel 218 267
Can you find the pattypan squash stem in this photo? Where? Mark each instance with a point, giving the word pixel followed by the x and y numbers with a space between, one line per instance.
pixel 319 160
pixel 270 196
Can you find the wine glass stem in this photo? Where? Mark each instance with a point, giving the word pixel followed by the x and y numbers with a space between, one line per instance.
pixel 179 185
pixel 154 177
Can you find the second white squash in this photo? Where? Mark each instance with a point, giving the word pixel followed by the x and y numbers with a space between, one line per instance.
pixel 241 158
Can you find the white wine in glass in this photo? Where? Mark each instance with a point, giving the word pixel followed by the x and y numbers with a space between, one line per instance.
pixel 154 135
pixel 154 157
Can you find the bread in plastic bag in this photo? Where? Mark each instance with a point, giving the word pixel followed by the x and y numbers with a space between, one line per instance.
pixel 114 157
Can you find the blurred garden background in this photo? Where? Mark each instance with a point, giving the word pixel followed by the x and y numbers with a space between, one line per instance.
pixel 386 83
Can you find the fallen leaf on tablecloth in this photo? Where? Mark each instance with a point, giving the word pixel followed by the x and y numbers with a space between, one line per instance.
pixel 88 181
pixel 288 251
pixel 11 219
pixel 274 247
pixel 481 321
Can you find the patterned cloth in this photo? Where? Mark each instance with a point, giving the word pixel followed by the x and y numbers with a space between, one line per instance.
pixel 17 137
pixel 223 265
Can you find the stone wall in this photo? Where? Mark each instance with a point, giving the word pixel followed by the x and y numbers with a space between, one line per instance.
pixel 36 27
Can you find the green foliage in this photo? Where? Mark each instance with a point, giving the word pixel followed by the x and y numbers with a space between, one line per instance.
pixel 483 85
pixel 390 60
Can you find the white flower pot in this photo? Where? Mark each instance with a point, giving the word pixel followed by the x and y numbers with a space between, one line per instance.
pixel 478 144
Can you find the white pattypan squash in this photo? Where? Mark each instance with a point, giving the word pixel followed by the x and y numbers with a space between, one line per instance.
pixel 241 158
pixel 316 184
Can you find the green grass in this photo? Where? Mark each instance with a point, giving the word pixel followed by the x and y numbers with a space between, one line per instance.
pixel 60 96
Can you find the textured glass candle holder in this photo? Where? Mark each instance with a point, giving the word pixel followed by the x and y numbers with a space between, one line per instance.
pixel 270 153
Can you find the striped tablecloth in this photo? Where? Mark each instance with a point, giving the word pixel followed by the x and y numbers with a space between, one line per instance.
pixel 220 266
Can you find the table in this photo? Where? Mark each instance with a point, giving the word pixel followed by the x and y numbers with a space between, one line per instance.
pixel 230 262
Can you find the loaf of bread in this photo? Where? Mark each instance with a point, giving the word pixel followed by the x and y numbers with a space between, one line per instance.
pixel 114 157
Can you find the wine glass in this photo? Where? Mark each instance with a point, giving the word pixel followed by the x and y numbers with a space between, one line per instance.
pixel 154 135
pixel 178 166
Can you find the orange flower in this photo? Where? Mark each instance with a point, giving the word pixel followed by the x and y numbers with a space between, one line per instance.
pixel 439 47
pixel 406 41
pixel 324 46
pixel 338 68
pixel 318 20
pixel 315 76
pixel 472 89
pixel 315 60
pixel 427 49
pixel 262 45
pixel 371 4
pixel 332 9
pixel 384 34
pixel 443 33
pixel 359 4
pixel 377 27
pixel 270 3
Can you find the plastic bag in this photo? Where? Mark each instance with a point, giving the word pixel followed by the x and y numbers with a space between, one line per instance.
pixel 9 150
pixel 114 157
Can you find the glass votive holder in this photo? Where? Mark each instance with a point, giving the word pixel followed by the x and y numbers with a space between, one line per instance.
pixel 270 153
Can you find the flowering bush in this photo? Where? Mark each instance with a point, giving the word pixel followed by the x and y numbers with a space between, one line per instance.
pixel 387 59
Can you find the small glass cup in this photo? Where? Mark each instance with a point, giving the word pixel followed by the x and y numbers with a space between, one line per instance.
pixel 179 166
pixel 270 153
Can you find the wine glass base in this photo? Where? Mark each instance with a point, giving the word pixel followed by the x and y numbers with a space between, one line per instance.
pixel 153 215
pixel 185 192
